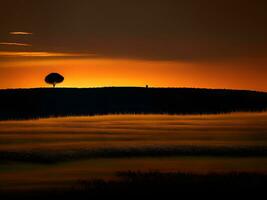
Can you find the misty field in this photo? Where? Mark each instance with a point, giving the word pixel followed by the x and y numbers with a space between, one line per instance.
pixel 58 153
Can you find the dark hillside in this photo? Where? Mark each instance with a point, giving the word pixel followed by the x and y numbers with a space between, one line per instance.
pixel 35 103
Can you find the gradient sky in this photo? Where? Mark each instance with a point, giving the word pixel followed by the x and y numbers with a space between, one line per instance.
pixel 166 43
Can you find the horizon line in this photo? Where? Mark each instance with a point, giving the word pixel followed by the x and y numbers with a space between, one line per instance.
pixel 149 87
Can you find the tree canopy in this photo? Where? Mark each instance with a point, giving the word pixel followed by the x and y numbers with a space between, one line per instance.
pixel 54 78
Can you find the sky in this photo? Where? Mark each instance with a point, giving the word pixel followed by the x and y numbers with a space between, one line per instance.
pixel 160 43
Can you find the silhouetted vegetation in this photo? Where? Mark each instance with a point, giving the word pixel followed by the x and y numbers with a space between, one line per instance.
pixel 132 185
pixel 176 184
pixel 36 103
pixel 63 156
pixel 54 78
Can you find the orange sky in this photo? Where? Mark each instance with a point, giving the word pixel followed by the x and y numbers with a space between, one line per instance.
pixel 99 72
pixel 185 43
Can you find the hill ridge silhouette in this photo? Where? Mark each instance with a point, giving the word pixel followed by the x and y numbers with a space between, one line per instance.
pixel 49 102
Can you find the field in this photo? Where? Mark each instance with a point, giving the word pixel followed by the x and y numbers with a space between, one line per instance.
pixel 63 154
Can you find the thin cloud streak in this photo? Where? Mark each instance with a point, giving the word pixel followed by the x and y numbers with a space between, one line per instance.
pixel 15 44
pixel 20 33
pixel 42 54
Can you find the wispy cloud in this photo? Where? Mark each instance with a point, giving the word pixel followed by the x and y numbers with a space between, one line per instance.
pixel 15 44
pixel 42 54
pixel 20 33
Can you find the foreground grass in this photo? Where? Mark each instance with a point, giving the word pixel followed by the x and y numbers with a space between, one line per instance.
pixel 43 157
pixel 156 184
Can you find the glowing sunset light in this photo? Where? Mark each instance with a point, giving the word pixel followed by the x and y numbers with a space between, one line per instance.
pixel 99 72
pixel 165 43
pixel 40 54
pixel 20 33
pixel 15 44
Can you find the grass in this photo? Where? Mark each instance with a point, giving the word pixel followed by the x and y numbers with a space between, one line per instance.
pixel 64 156
pixel 177 185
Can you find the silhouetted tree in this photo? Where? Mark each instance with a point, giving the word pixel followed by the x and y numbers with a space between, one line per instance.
pixel 54 78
